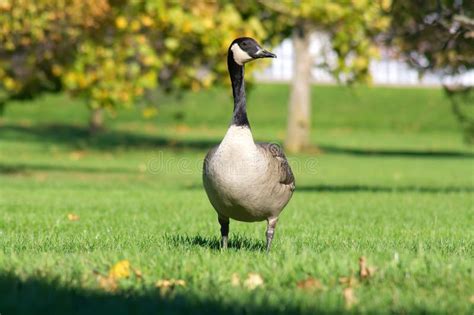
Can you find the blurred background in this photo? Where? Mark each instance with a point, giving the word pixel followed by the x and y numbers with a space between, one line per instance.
pixel 145 55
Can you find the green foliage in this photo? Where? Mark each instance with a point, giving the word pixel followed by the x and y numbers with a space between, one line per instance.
pixel 435 35
pixel 439 37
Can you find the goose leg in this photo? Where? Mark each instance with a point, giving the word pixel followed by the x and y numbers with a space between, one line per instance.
pixel 224 222
pixel 270 231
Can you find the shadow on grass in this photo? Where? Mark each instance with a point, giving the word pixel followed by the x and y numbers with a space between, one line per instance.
pixel 79 137
pixel 20 168
pixel 235 242
pixel 43 296
pixel 395 153
pixel 370 188
pixel 350 188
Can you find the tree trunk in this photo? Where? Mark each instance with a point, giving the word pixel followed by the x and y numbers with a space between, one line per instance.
pixel 96 121
pixel 299 107
pixel 2 109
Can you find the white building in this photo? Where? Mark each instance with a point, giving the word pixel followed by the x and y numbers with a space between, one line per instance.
pixel 385 71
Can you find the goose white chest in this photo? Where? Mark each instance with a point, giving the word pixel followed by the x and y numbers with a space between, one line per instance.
pixel 237 161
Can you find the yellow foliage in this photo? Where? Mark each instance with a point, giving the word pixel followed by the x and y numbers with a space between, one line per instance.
pixel 57 70
pixel 146 20
pixel 9 83
pixel 142 41
pixel 121 22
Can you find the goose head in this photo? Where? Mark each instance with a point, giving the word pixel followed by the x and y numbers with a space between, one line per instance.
pixel 245 49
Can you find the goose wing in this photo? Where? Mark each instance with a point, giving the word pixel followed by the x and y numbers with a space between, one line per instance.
pixel 278 163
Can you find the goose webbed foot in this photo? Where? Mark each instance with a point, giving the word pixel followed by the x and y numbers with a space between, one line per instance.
pixel 270 232
pixel 224 222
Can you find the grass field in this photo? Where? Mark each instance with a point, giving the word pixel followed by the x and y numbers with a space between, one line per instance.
pixel 392 182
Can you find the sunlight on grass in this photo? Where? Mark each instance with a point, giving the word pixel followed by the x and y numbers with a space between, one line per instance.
pixel 387 185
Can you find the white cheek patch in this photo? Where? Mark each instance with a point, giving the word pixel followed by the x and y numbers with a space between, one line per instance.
pixel 240 56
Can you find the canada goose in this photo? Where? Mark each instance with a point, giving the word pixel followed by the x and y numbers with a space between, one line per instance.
pixel 244 180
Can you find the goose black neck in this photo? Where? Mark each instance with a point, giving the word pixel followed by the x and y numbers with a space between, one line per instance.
pixel 236 72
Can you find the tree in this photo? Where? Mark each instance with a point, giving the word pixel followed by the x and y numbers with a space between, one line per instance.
pixel 112 52
pixel 39 38
pixel 438 36
pixel 352 27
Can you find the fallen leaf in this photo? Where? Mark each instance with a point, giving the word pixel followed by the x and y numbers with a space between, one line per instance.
pixel 120 270
pixel 309 284
pixel 166 285
pixel 138 273
pixel 107 283
pixel 471 299
pixel 364 270
pixel 253 281
pixel 235 280
pixel 349 281
pixel 73 217
pixel 349 297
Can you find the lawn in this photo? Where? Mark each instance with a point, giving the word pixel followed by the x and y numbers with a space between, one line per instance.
pixel 392 181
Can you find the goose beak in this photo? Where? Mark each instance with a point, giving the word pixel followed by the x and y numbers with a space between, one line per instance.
pixel 263 53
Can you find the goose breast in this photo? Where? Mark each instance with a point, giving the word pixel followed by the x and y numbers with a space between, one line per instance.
pixel 247 181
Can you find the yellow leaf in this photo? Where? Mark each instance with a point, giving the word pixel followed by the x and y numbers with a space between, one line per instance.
pixel 121 22
pixel 73 217
pixel 9 83
pixel 120 270
pixel 147 21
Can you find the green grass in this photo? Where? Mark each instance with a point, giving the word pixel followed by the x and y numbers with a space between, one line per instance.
pixel 394 183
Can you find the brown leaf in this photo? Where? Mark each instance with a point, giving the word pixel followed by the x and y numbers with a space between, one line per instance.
pixel 365 271
pixel 349 297
pixel 253 281
pixel 310 284
pixel 109 284
pixel 138 273
pixel 167 285
pixel 349 281
pixel 73 217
